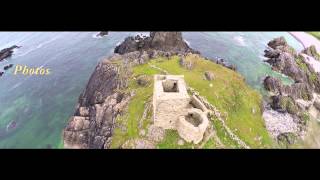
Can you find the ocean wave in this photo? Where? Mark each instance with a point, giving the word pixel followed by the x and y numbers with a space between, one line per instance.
pixel 15 86
pixel 95 36
pixel 38 46
pixel 187 42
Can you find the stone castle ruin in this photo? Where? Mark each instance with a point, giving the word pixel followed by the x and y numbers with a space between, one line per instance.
pixel 173 108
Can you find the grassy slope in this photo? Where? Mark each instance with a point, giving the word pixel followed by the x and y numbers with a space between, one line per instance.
pixel 315 34
pixel 229 93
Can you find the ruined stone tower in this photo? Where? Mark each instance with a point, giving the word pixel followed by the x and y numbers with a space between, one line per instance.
pixel 173 108
pixel 170 99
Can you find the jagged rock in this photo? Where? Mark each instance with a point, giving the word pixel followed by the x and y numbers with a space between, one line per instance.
pixel 275 43
pixel 93 122
pixel 102 33
pixel 162 41
pixel 209 75
pixel 272 53
pixel 297 90
pixel 8 66
pixel 7 52
pixel 286 64
pixel 1 73
pixel 272 84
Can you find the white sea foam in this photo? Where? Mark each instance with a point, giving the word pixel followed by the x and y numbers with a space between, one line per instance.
pixel 240 40
pixel 15 86
pixel 187 42
pixel 95 35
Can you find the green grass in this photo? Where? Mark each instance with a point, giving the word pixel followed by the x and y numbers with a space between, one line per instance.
pixel 315 34
pixel 171 141
pixel 229 93
pixel 135 109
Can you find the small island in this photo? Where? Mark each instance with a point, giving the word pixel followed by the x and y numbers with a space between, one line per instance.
pixel 207 101
pixel 7 52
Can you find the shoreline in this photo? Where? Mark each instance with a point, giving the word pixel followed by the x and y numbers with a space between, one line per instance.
pixel 306 40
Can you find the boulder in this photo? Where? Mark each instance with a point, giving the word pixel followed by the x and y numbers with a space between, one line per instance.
pixel 102 33
pixel 143 80
pixel 278 42
pixel 8 66
pixel 209 75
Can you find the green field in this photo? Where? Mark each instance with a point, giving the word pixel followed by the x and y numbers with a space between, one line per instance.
pixel 228 92
pixel 315 34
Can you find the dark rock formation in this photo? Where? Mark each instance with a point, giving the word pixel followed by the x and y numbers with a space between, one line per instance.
pixel 296 91
pixel 102 33
pixel 284 59
pixel 7 52
pixel 8 66
pixel 93 122
pixel 161 41
pixel 1 73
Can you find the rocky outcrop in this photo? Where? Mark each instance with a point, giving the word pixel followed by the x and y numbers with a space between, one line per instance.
pixel 102 33
pixel 93 122
pixel 289 103
pixel 6 67
pixel 161 41
pixel 7 52
pixel 296 91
